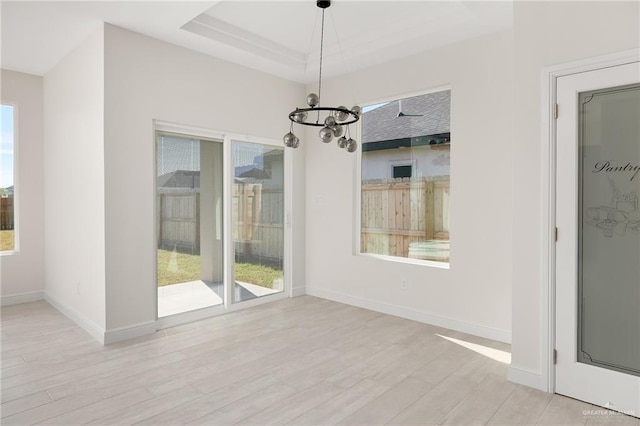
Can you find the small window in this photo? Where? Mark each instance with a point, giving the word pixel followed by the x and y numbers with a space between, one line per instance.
pixel 401 171
pixel 404 196
pixel 7 162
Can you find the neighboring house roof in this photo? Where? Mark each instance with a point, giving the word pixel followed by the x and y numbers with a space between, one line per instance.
pixel 179 179
pixel 255 173
pixel 191 178
pixel 278 152
pixel 384 125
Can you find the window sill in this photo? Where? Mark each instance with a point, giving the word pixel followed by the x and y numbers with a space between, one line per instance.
pixel 407 260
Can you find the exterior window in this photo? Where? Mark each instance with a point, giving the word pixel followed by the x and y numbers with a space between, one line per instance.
pixel 405 207
pixel 401 171
pixel 7 217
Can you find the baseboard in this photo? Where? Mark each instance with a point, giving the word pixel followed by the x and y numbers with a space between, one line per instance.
pixel 298 291
pixel 522 376
pixel 189 316
pixel 123 333
pixel 15 299
pixel 90 327
pixel 412 314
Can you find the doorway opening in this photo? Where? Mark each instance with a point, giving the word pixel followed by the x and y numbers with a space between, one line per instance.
pixel 221 239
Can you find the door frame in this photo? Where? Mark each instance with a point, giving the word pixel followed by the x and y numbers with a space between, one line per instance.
pixel 549 77
pixel 227 138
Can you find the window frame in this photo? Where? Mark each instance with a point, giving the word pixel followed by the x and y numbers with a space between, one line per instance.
pixel 401 168
pixel 412 162
pixel 357 217
pixel 16 196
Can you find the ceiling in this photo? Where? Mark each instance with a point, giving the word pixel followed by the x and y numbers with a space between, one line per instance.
pixel 278 37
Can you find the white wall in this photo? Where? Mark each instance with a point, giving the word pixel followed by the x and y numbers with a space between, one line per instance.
pixel 146 79
pixel 474 295
pixel 22 273
pixel 546 34
pixel 495 172
pixel 74 185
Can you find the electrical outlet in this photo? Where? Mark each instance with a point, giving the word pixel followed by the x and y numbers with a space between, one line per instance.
pixel 404 284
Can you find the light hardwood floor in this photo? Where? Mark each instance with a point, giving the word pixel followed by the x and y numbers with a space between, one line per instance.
pixel 302 361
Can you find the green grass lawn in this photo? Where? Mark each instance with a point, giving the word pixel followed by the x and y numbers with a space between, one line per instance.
pixel 174 267
pixel 261 275
pixel 6 240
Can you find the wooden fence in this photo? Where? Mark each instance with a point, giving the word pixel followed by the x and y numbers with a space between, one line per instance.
pixel 257 214
pixel 178 221
pixel 395 214
pixel 398 212
pixel 6 214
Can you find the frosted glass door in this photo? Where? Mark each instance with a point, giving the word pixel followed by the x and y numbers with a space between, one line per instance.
pixel 609 229
pixel 597 252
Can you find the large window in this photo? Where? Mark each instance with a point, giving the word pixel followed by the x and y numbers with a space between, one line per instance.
pixel 405 177
pixel 7 206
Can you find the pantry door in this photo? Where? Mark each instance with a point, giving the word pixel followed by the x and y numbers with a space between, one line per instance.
pixel 598 248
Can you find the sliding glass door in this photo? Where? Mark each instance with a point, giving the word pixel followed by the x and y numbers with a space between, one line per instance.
pixel 257 220
pixel 189 225
pixel 220 228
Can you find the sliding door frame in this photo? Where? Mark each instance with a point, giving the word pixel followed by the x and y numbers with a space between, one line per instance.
pixel 230 305
pixel 227 139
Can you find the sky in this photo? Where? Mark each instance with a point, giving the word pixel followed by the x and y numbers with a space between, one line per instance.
pixel 6 146
pixel 368 108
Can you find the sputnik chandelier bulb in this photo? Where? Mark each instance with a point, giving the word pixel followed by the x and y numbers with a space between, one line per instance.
pixel 335 123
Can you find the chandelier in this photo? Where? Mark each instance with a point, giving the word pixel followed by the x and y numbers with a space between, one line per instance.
pixel 333 120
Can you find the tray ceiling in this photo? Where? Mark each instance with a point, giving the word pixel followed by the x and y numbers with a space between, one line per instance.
pixel 278 37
